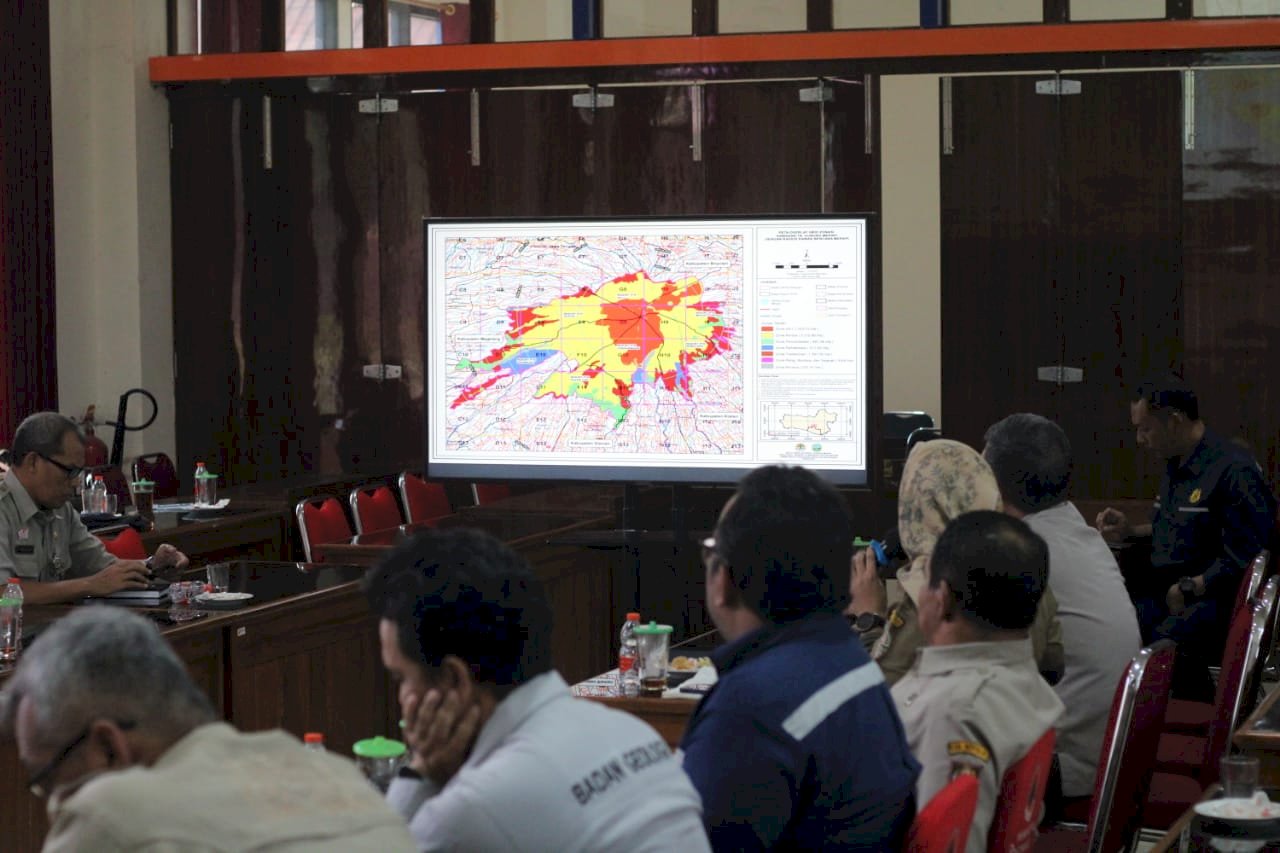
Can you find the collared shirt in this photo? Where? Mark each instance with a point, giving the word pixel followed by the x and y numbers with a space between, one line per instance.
pixel 1100 633
pixel 798 745
pixel 1213 514
pixel 44 544
pixel 552 772
pixel 218 789
pixel 976 707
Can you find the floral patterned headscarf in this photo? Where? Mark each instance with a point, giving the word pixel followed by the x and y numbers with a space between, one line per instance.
pixel 942 479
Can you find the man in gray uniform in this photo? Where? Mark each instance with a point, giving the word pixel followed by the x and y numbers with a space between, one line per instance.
pixel 42 540
pixel 502 756
pixel 974 701
pixel 1031 458
pixel 111 728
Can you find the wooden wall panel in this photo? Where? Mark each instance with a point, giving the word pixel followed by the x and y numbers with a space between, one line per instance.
pixel 1231 214
pixel 642 154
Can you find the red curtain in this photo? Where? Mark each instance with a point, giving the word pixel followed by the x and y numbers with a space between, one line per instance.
pixel 28 349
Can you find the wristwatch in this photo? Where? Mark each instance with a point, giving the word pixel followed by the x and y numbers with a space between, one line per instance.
pixel 150 564
pixel 868 621
pixel 1187 586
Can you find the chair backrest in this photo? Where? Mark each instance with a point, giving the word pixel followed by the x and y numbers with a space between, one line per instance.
pixel 1239 659
pixel 1252 581
pixel 942 826
pixel 159 469
pixel 374 508
pixel 487 493
pixel 115 481
pixel 422 499
pixel 127 545
pixel 320 521
pixel 1020 806
pixel 1129 749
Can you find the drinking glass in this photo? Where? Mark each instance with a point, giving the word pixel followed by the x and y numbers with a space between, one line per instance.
pixel 655 642
pixel 1239 774
pixel 218 576
pixel 144 500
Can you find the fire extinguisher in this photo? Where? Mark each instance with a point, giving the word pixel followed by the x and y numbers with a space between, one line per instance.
pixel 95 449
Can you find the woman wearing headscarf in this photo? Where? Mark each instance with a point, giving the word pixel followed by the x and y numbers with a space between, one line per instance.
pixel 942 480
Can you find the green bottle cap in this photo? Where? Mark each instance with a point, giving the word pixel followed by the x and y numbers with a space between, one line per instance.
pixel 378 747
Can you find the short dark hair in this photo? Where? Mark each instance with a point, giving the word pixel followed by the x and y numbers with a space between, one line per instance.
pixel 1168 391
pixel 788 540
pixel 41 434
pixel 1031 458
pixel 463 592
pixel 997 568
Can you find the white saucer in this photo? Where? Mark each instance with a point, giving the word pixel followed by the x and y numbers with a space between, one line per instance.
pixel 223 599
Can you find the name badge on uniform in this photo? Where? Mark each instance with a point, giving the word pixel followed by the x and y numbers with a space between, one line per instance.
pixel 24 549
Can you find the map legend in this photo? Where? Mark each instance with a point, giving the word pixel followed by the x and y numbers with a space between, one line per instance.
pixel 766 346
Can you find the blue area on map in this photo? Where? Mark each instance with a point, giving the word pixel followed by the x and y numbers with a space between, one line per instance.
pixel 527 358
pixel 639 377
pixel 681 373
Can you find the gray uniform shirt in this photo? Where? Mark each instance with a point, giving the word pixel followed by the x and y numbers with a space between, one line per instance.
pixel 1100 630
pixel 552 772
pixel 976 707
pixel 44 544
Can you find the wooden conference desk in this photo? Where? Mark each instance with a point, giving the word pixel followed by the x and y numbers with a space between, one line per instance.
pixel 303 656
pixel 244 530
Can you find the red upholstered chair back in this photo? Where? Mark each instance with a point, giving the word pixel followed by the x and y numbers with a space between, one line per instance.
pixel 374 508
pixel 1129 749
pixel 422 499
pixel 942 826
pixel 1244 643
pixel 487 493
pixel 320 521
pixel 159 469
pixel 115 481
pixel 1020 806
pixel 127 545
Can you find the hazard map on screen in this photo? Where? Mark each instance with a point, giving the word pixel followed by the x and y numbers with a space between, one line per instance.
pixel 598 349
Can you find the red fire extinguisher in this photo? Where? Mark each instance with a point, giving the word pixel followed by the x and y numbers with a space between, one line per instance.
pixel 95 449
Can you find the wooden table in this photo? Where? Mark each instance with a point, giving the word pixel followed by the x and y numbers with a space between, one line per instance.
pixel 245 530
pixel 303 657
pixel 1259 735
pixel 577 501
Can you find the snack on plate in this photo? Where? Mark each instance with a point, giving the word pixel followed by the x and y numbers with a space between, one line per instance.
pixel 688 664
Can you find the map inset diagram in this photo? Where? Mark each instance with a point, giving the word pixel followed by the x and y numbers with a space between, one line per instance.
pixel 806 420
pixel 614 344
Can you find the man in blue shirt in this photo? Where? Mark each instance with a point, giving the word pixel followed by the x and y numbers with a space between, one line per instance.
pixel 798 745
pixel 1212 516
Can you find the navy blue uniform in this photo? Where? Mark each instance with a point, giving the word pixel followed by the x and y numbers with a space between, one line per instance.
pixel 799 745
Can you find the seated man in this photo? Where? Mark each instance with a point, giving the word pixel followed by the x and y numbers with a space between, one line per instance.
pixel 797 746
pixel 1031 458
pixel 112 729
pixel 1213 514
pixel 974 701
pixel 502 756
pixel 42 539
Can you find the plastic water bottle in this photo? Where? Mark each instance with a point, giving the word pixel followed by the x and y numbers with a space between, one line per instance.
pixel 313 741
pixel 629 657
pixel 97 495
pixel 11 621
pixel 202 485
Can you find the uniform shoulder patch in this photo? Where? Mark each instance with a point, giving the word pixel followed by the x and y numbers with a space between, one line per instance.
pixel 895 619
pixel 970 748
pixel 1196 494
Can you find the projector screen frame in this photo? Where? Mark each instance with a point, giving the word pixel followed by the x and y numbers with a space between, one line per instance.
pixel 657 474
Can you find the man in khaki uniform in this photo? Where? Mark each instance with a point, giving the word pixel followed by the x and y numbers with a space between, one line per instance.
pixel 974 702
pixel 42 540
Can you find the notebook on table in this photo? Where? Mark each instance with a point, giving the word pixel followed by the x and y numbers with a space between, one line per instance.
pixel 148 596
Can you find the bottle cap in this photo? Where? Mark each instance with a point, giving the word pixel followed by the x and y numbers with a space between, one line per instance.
pixel 313 737
pixel 633 617
pixel 378 747
pixel 15 580
pixel 653 628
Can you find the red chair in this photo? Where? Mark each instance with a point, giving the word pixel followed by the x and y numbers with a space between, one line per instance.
pixel 1173 793
pixel 487 493
pixel 127 545
pixel 1193 717
pixel 115 481
pixel 942 826
pixel 321 521
pixel 422 499
pixel 159 469
pixel 1020 806
pixel 374 508
pixel 1112 818
pixel 1190 755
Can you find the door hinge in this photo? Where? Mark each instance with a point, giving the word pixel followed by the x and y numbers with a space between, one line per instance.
pixel 382 371
pixel 1189 110
pixel 1058 86
pixel 820 93
pixel 592 100
pixel 379 105
pixel 1059 374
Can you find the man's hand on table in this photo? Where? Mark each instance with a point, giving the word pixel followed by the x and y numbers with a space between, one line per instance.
pixel 122 574
pixel 1114 525
pixel 168 561
pixel 440 729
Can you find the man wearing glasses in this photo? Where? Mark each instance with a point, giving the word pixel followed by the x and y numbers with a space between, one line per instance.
pixel 42 540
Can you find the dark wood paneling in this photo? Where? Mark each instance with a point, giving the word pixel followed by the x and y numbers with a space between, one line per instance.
pixel 537 154
pixel 642 154
pixel 236 26
pixel 1231 214
pixel 852 174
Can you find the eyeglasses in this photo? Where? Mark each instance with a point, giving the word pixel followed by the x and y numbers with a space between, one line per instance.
pixel 72 471
pixel 36 783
